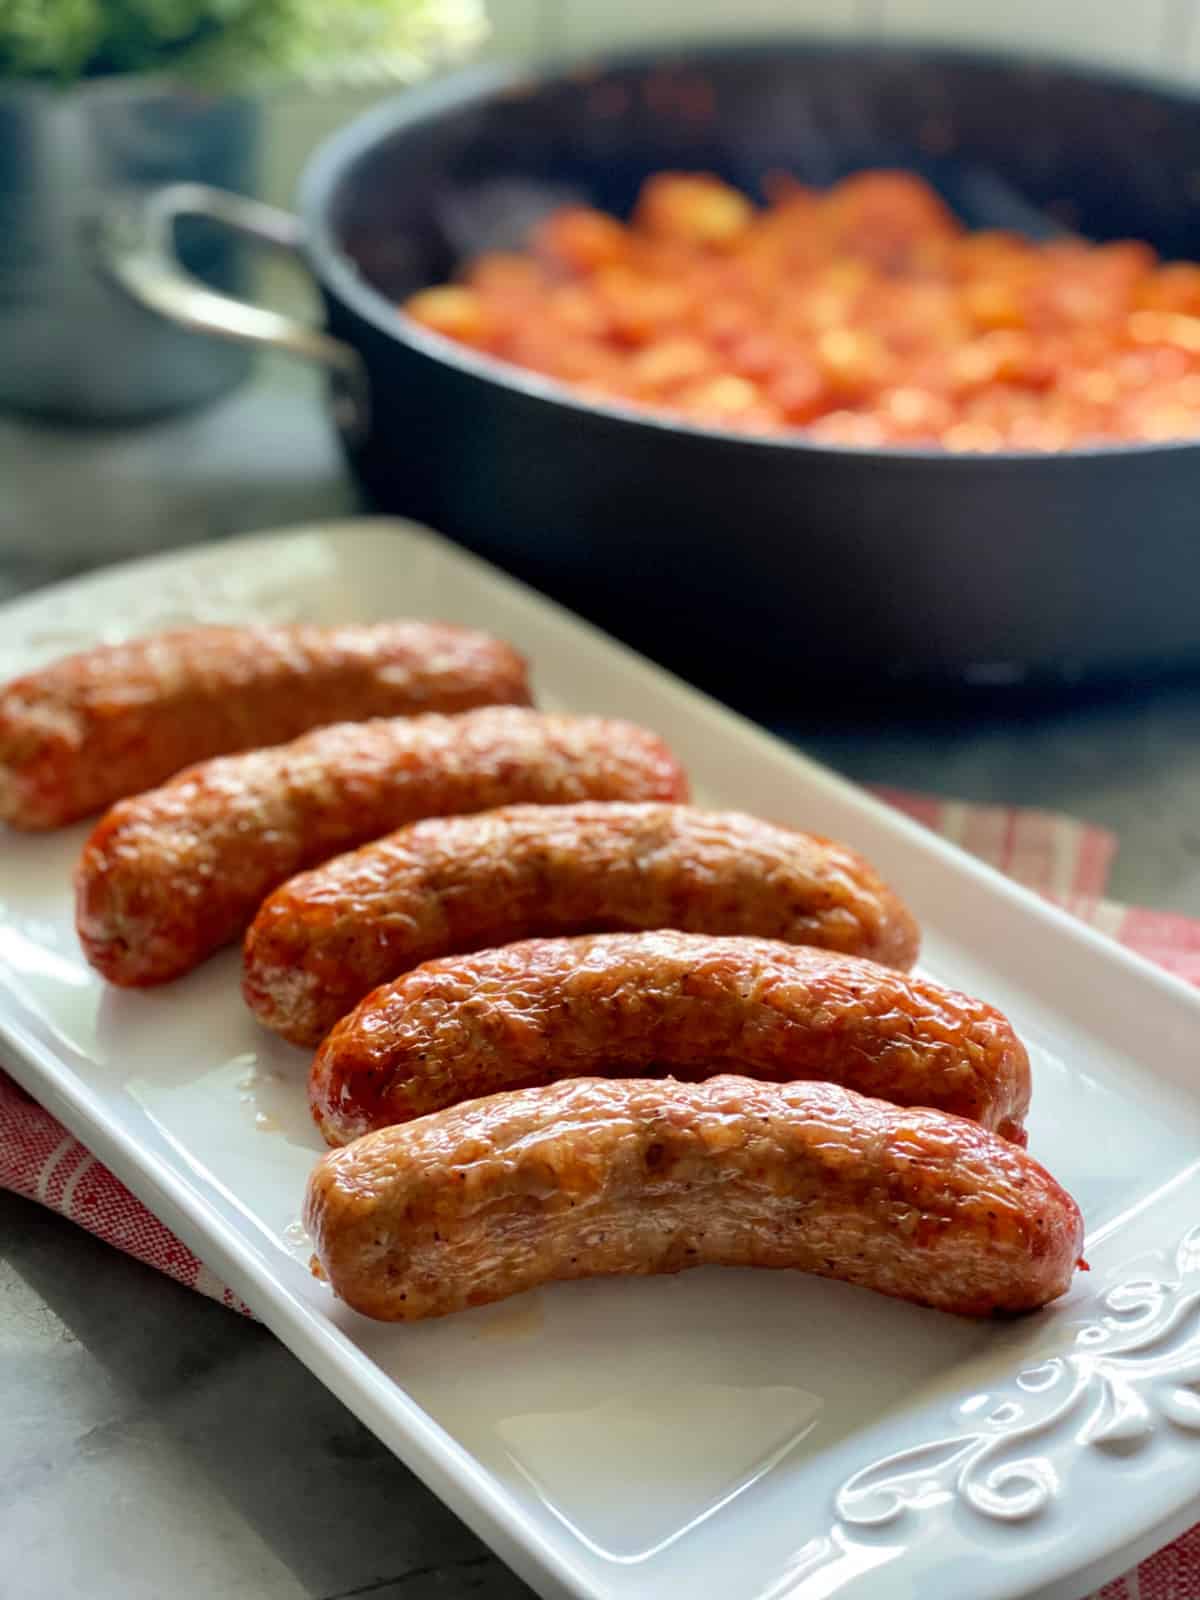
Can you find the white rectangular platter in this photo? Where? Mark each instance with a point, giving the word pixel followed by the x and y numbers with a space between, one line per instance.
pixel 719 1434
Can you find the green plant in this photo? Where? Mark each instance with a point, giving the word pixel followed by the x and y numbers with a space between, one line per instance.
pixel 233 43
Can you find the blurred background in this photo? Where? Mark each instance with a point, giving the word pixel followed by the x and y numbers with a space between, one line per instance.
pixel 1156 38
pixel 121 432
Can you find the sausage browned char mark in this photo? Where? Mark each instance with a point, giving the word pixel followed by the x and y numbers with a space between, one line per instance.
pixel 170 876
pixel 110 722
pixel 687 1005
pixel 328 937
pixel 598 1176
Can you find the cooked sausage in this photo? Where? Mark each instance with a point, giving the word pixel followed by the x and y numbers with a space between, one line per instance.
pixel 170 876
pixel 328 937
pixel 93 728
pixel 594 1176
pixel 688 1005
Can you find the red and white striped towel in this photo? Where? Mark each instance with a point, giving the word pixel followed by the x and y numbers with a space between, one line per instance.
pixel 1066 860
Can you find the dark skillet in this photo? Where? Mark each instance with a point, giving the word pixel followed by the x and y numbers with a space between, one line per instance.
pixel 759 568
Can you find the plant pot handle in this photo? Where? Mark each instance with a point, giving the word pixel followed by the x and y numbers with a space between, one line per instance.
pixel 136 247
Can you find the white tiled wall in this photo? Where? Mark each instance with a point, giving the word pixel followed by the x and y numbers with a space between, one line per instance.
pixel 587 24
pixel 1156 37
pixel 1141 35
pixel 1125 33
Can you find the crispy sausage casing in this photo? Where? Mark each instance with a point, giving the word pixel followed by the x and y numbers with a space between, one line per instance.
pixel 648 1004
pixel 597 1176
pixel 96 727
pixel 328 937
pixel 170 876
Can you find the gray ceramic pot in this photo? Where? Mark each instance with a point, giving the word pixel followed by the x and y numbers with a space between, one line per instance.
pixel 71 345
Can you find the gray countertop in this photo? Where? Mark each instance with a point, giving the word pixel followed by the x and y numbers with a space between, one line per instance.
pixel 155 1444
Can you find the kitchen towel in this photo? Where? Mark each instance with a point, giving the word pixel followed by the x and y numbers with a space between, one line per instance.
pixel 1063 859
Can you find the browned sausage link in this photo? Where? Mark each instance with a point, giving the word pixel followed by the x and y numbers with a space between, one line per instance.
pixel 329 937
pixel 170 876
pixel 111 722
pixel 646 1005
pixel 579 1179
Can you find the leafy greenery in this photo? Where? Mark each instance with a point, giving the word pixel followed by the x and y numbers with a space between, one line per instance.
pixel 233 43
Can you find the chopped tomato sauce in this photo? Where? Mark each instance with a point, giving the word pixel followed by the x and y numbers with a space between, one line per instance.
pixel 864 314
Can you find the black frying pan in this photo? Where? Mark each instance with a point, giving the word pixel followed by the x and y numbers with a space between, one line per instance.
pixel 757 567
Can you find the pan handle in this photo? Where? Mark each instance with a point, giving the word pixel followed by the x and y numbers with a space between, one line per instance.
pixel 136 246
